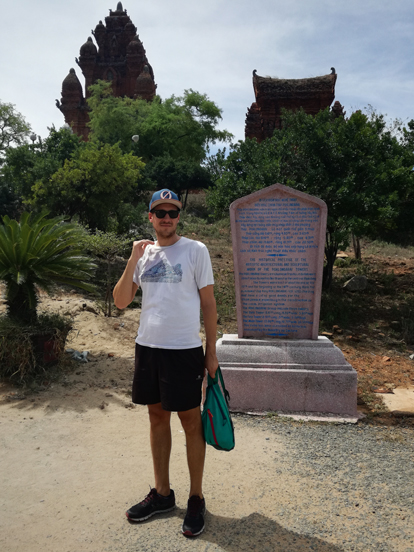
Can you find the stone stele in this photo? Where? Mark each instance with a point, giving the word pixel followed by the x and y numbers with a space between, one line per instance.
pixel 277 362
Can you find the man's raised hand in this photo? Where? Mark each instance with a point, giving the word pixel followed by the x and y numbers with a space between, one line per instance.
pixel 138 249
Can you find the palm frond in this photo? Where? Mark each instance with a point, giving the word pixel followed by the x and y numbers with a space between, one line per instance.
pixel 40 252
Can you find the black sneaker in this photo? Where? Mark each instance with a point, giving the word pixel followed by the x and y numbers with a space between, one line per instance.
pixel 152 504
pixel 194 520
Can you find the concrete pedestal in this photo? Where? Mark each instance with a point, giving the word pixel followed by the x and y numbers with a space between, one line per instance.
pixel 287 375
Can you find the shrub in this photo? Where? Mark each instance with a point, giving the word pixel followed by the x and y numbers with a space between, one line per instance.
pixel 29 350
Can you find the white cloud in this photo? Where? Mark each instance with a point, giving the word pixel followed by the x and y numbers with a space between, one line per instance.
pixel 213 47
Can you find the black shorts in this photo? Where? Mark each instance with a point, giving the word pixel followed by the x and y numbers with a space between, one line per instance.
pixel 172 377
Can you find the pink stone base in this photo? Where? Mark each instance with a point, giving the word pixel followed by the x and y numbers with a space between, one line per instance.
pixel 287 376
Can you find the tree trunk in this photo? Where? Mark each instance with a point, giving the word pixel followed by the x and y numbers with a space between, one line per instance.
pixel 331 250
pixel 18 305
pixel 357 247
pixel 185 200
pixel 108 298
pixel 108 302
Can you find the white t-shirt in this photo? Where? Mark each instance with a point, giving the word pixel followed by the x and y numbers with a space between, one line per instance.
pixel 170 278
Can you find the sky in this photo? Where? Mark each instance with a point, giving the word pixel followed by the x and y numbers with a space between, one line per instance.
pixel 213 47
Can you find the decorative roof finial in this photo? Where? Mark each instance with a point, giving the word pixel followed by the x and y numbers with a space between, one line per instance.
pixel 333 72
pixel 119 7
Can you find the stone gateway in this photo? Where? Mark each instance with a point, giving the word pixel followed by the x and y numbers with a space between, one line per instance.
pixel 272 95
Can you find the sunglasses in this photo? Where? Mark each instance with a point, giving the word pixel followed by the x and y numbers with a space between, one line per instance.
pixel 160 213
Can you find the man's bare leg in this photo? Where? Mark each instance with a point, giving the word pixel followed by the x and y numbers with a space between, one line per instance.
pixel 160 436
pixel 196 448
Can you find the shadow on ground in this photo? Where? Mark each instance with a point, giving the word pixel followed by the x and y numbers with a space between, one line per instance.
pixel 79 388
pixel 254 532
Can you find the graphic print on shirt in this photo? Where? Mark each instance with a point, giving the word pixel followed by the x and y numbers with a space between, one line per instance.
pixel 163 272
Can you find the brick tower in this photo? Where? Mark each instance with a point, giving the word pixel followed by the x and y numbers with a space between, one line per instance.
pixel 119 57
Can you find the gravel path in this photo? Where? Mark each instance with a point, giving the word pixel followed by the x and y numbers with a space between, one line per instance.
pixel 357 485
pixel 331 488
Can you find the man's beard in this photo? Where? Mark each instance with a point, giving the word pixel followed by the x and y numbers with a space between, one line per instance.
pixel 165 231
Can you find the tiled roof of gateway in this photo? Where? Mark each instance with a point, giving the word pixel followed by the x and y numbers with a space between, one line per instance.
pixel 267 86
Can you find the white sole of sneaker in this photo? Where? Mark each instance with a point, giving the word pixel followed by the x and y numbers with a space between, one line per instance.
pixel 189 534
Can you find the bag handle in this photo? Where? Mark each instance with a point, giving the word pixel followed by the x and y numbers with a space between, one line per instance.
pixel 215 381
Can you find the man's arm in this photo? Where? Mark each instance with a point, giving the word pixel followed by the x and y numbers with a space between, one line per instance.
pixel 125 290
pixel 208 306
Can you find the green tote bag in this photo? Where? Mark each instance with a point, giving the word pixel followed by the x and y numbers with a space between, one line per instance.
pixel 217 424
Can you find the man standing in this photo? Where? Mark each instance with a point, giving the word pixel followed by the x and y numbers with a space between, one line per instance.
pixel 176 278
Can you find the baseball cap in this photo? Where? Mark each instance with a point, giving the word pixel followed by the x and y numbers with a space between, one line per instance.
pixel 165 196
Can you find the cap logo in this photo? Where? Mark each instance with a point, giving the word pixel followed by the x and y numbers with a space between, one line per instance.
pixel 165 194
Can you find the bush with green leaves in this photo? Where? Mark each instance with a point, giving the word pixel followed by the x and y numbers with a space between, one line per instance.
pixel 39 253
pixel 92 185
pixel 105 247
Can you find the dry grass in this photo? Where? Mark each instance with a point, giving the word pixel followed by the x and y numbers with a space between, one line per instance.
pixel 23 353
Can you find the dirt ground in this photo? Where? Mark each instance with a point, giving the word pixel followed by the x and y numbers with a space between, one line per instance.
pixel 374 345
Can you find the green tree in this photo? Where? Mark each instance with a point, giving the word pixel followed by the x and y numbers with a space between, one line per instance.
pixel 39 253
pixel 182 127
pixel 30 163
pixel 175 134
pixel 114 120
pixel 403 230
pixel 249 167
pixel 356 166
pixel 13 127
pixel 10 202
pixel 92 185
pixel 18 170
pixel 362 171
pixel 177 174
